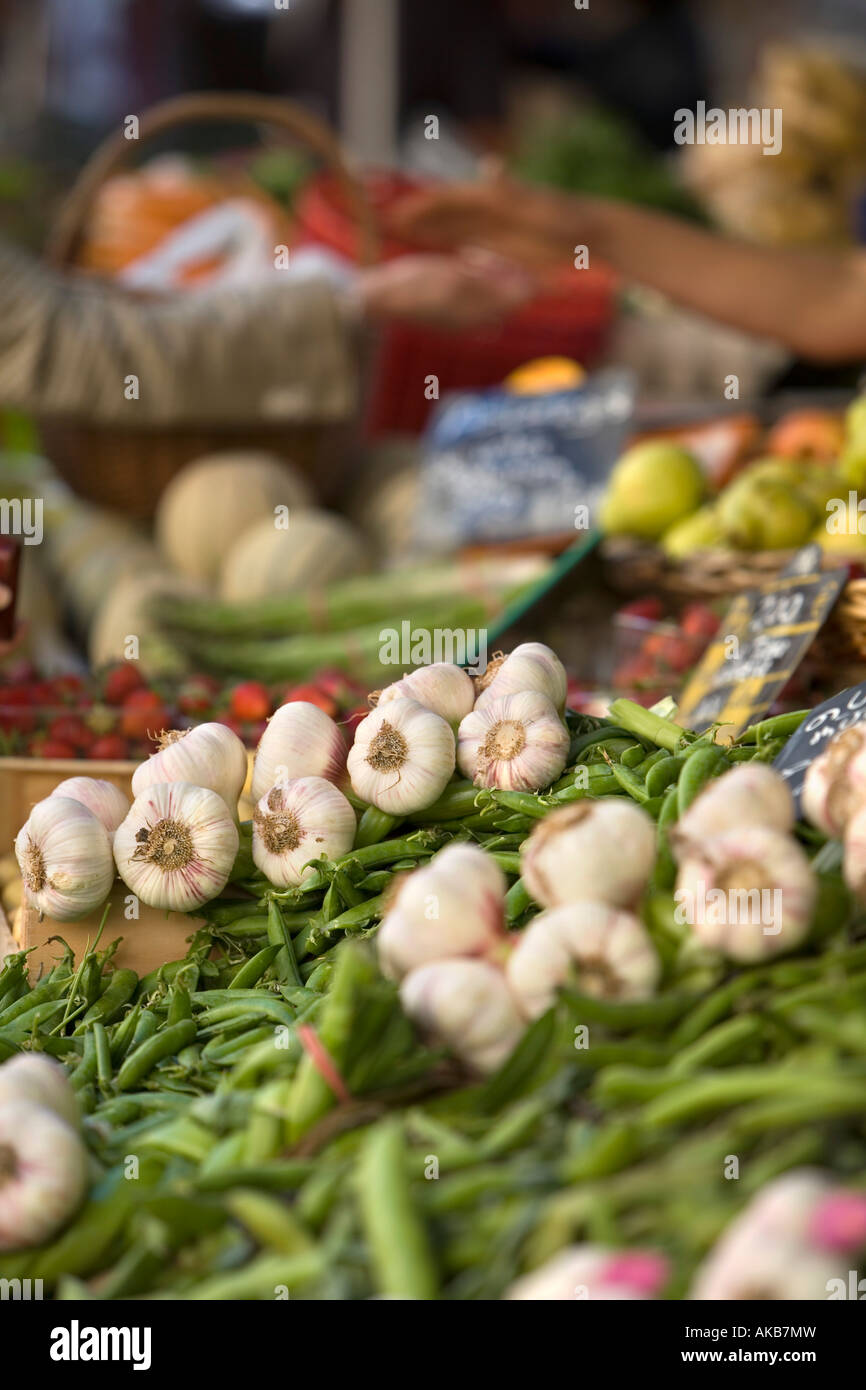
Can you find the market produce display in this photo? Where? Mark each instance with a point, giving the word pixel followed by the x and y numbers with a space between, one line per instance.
pixel 484 1009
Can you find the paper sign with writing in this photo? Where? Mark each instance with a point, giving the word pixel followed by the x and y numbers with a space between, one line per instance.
pixel 816 731
pixel 760 642
pixel 497 465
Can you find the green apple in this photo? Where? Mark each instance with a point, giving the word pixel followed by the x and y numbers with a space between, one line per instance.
pixel 769 516
pixel 700 531
pixel 653 485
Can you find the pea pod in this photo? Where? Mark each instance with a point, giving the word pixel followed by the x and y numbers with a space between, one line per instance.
pixel 399 1245
pixel 121 987
pixel 703 765
pixel 142 1060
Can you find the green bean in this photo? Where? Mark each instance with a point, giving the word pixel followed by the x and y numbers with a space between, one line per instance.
pixel 224 1053
pixel 262 1278
pixel 374 826
pixel 698 770
pixel 399 1246
pixel 662 774
pixel 517 900
pixel 725 1041
pixel 628 1015
pixel 85 1071
pixel 46 992
pixel 142 1060
pixel 104 1069
pixel 285 963
pixel 779 726
pixel 280 1175
pixel 253 969
pixel 693 1098
pixel 121 987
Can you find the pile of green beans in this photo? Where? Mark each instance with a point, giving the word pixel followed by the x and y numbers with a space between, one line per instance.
pixel 262 1117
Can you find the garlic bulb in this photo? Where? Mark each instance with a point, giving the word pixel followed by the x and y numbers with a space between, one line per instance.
pixel 64 853
pixel 453 906
pixel 835 783
pixel 769 1250
pixel 301 820
pixel 34 1077
pixel 609 953
pixel 43 1173
pixel 748 893
pixel 749 794
pixel 442 687
pixel 210 755
pixel 593 1272
pixel 177 846
pixel 466 1005
pixel 300 740
pixel 104 799
pixel 596 850
pixel 518 743
pixel 402 758
pixel 531 666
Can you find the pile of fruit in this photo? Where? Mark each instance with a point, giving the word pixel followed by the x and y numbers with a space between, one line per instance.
pixel 804 487
pixel 118 714
pixel 481 1010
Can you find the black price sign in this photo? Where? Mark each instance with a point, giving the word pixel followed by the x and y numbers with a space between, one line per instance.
pixel 761 642
pixel 816 731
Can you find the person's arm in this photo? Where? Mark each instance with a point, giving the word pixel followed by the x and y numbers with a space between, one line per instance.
pixel 812 301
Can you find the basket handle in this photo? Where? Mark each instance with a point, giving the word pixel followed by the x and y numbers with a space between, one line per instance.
pixel 114 152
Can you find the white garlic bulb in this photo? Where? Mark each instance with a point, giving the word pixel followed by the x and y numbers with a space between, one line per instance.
pixel 43 1173
pixel 104 799
pixel 33 1076
pixel 299 821
pixel 443 687
pixel 177 846
pixel 854 850
pixel 749 794
pixel 748 893
pixel 64 853
pixel 466 1005
pixel 607 951
pixel 835 782
pixel 517 743
pixel 593 1272
pixel 300 740
pixel 210 755
pixel 453 906
pixel 591 850
pixel 531 666
pixel 402 758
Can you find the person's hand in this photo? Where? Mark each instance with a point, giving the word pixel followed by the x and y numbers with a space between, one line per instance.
pixel 466 291
pixel 532 226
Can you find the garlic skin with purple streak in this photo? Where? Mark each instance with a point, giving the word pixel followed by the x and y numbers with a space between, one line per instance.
pixel 749 794
pixel 592 1272
pixel 465 1005
pixel 104 799
pixel 177 846
pixel 297 822
pixel 592 850
pixel 64 853
pixel 531 666
pixel 443 687
pixel 454 906
pixel 517 743
pixel 43 1173
pixel 402 758
pixel 606 952
pixel 300 740
pixel 748 893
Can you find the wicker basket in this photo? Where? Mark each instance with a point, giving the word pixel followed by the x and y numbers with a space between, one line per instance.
pixel 635 567
pixel 127 469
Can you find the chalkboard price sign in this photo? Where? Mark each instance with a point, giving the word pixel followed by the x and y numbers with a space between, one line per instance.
pixel 816 731
pixel 760 643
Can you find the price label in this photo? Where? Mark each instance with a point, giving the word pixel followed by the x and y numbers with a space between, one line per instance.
pixel 760 643
pixel 813 735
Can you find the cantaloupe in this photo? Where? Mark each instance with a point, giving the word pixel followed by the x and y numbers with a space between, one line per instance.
pixel 317 548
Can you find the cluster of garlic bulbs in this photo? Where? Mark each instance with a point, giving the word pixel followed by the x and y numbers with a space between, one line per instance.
pixel 744 884
pixel 43 1158
pixel 834 800
pixel 473 986
pixel 505 729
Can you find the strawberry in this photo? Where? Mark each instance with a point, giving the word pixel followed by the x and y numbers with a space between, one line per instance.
pixel 249 702
pixel 313 696
pixel 649 607
pixel 66 689
pixel 68 728
pixel 52 748
pixel 120 681
pixel 143 712
pixel 109 748
pixel 699 621
pixel 197 695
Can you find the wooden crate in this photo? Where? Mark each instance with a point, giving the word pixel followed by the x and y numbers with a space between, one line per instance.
pixel 157 936
pixel 24 781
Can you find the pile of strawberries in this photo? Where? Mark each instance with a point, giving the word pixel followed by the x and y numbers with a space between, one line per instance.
pixel 118 714
pixel 656 650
